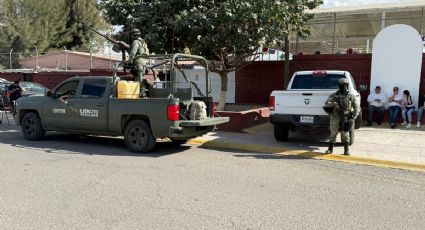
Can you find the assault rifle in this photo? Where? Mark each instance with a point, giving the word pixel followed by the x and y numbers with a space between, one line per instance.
pixel 345 122
pixel 119 46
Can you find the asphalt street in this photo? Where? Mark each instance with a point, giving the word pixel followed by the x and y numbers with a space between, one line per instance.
pixel 73 182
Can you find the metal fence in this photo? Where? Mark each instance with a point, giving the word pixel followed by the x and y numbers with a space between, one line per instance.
pixel 59 59
pixel 354 31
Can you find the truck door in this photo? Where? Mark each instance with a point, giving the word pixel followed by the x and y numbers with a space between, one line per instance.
pixel 91 105
pixel 57 113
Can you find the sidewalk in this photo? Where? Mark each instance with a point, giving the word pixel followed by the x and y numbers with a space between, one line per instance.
pixel 376 145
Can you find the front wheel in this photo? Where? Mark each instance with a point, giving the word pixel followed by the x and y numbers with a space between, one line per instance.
pixel 31 127
pixel 138 137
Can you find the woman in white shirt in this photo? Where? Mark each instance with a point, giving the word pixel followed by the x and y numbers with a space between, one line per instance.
pixel 408 108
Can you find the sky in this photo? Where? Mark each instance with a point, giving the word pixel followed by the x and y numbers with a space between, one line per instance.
pixel 336 3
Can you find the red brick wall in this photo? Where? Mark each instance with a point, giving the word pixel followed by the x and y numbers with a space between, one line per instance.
pixel 256 81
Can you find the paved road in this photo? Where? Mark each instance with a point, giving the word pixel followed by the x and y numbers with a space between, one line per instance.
pixel 68 182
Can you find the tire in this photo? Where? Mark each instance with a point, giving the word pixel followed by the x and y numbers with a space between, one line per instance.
pixel 138 137
pixel 358 122
pixel 281 132
pixel 31 127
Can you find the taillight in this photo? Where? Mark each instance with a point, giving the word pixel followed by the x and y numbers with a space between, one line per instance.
pixel 319 73
pixel 173 112
pixel 271 103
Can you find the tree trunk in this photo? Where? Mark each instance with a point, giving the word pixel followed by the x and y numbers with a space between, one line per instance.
pixel 223 92
pixel 286 68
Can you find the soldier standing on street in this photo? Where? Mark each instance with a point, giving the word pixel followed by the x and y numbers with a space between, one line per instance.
pixel 343 110
pixel 138 47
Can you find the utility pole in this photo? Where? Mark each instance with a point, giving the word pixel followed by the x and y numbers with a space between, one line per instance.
pixel 91 54
pixel 10 58
pixel 110 55
pixel 66 59
pixel 286 66
pixel 36 57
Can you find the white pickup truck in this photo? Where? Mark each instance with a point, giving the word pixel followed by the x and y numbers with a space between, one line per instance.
pixel 301 105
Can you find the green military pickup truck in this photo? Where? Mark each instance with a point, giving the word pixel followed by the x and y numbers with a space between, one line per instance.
pixel 89 105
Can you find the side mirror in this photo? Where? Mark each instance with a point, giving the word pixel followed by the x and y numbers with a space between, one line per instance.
pixel 363 88
pixel 49 93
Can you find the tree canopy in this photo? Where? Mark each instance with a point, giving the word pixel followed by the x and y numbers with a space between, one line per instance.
pixel 47 24
pixel 227 32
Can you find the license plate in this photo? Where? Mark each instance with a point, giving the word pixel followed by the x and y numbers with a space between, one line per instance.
pixel 307 119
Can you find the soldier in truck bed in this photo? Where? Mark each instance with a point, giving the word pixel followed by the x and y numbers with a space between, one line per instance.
pixel 343 110
pixel 138 47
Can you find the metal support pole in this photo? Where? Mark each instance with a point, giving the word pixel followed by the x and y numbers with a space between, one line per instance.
pixel 91 57
pixel 422 21
pixel 383 21
pixel 333 36
pixel 10 58
pixel 66 59
pixel 296 45
pixel 110 55
pixel 367 46
pixel 36 57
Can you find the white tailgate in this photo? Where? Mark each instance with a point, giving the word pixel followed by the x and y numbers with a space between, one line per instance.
pixel 301 102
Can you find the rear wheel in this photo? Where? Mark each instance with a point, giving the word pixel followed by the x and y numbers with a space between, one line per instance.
pixel 138 137
pixel 281 132
pixel 31 127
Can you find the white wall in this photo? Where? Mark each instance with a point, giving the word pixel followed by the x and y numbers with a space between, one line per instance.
pixel 397 60
pixel 196 75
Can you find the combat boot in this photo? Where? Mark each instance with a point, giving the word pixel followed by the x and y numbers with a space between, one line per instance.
pixel 330 148
pixel 346 151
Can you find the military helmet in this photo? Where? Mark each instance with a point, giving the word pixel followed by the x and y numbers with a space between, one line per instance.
pixel 342 81
pixel 135 32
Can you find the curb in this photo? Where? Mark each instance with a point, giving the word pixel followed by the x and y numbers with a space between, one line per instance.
pixel 308 155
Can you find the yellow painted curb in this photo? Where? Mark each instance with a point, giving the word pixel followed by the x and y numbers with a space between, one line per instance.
pixel 307 154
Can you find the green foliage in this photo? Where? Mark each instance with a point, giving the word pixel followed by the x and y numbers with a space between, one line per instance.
pixel 47 24
pixel 227 32
pixel 82 14
pixel 222 30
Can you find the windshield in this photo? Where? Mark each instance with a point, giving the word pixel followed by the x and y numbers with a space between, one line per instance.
pixel 310 81
pixel 32 88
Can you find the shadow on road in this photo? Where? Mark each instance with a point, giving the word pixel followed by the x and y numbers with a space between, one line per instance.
pixel 301 145
pixel 63 143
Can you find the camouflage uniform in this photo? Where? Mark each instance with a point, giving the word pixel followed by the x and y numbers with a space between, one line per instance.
pixel 138 47
pixel 346 102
